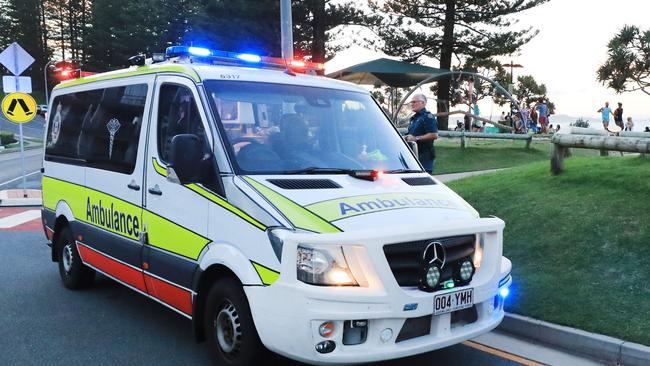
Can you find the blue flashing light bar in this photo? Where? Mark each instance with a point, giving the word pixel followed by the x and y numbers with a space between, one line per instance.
pixel 504 292
pixel 198 51
pixel 249 57
pixel 224 57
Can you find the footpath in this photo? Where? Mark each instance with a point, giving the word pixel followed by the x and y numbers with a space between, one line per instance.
pixel 612 351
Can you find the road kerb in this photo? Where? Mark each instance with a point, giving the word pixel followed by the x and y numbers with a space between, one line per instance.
pixel 592 345
pixel 13 197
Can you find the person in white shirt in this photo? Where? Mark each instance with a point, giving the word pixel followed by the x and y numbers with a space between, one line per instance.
pixel 629 124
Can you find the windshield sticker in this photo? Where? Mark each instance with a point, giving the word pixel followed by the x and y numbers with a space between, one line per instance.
pixel 345 207
pixel 113 125
pixel 56 125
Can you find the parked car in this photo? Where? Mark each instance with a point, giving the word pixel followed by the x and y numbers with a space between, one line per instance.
pixel 41 109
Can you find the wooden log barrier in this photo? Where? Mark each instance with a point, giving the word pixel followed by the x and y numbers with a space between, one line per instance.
pixel 561 142
pixel 481 135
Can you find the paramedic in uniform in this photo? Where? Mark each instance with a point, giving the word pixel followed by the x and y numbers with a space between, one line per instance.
pixel 423 130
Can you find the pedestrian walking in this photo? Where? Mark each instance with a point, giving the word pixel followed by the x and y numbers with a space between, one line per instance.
pixel 629 124
pixel 618 116
pixel 423 130
pixel 605 112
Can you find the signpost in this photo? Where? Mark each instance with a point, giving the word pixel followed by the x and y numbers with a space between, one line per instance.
pixel 18 107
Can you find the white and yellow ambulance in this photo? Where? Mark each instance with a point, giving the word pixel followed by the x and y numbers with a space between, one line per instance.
pixel 276 210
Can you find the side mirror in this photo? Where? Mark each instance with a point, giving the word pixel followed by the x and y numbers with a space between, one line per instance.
pixel 188 160
pixel 414 147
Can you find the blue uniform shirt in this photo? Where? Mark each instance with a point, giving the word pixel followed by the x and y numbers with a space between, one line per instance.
pixel 424 122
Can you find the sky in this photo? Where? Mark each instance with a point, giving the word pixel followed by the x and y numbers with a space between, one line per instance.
pixel 570 47
pixel 565 55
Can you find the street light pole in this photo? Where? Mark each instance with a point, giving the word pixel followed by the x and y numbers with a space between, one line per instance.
pixel 47 99
pixel 511 87
pixel 286 29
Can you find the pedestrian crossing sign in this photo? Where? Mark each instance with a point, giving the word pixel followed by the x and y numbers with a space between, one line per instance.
pixel 19 107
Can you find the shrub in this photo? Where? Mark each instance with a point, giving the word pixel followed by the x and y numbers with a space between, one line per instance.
pixel 581 123
pixel 7 138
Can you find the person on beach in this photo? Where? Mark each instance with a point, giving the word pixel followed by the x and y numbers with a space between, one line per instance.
pixel 423 130
pixel 534 117
pixel 542 110
pixel 629 124
pixel 605 111
pixel 618 116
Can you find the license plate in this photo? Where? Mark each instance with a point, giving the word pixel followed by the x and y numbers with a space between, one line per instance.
pixel 452 301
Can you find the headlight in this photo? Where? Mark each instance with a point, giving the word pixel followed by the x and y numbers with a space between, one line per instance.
pixel 324 266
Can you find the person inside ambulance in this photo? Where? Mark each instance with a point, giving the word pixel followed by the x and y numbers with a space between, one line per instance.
pixel 183 118
pixel 295 144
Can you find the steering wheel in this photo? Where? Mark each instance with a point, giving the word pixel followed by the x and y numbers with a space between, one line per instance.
pixel 256 154
pixel 239 140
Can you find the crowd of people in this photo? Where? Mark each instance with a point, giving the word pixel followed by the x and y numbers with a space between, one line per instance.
pixel 533 120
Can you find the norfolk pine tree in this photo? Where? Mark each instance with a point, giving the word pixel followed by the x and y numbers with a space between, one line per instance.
pixel 451 29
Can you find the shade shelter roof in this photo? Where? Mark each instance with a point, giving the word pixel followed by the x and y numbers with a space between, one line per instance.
pixel 384 71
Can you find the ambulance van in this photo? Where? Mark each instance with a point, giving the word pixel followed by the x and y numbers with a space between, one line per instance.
pixel 277 210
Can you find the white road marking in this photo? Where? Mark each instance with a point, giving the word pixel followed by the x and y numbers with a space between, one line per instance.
pixel 15 179
pixel 20 218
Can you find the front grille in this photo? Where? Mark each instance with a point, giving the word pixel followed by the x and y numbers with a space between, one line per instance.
pixel 404 259
pixel 414 327
pixel 463 317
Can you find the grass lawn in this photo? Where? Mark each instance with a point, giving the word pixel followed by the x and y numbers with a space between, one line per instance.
pixel 579 242
pixel 483 154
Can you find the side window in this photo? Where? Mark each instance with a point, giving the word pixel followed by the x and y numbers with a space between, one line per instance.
pixel 69 112
pixel 100 127
pixel 177 114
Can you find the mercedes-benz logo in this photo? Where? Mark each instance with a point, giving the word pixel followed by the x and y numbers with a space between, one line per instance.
pixel 434 253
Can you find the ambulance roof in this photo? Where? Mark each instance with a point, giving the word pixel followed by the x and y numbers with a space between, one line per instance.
pixel 201 72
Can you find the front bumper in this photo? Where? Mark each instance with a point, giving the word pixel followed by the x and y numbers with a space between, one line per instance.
pixel 288 313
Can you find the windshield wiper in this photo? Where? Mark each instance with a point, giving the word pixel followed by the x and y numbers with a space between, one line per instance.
pixel 370 175
pixel 402 171
pixel 317 170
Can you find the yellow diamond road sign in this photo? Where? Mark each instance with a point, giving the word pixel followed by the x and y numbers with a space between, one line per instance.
pixel 19 107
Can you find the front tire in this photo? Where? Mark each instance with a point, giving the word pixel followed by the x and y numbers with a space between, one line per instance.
pixel 74 274
pixel 230 332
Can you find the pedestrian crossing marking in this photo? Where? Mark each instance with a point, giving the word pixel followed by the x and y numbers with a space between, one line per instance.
pixel 17 219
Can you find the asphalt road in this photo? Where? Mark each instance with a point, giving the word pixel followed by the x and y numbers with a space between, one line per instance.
pixel 10 164
pixel 11 169
pixel 33 129
pixel 42 323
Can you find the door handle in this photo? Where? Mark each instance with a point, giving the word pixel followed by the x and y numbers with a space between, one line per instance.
pixel 133 185
pixel 155 190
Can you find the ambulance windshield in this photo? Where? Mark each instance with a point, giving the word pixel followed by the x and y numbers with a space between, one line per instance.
pixel 278 129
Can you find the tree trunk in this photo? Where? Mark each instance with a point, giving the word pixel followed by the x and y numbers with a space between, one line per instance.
pixel 318 27
pixel 446 53
pixel 61 28
pixel 84 41
pixel 46 52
